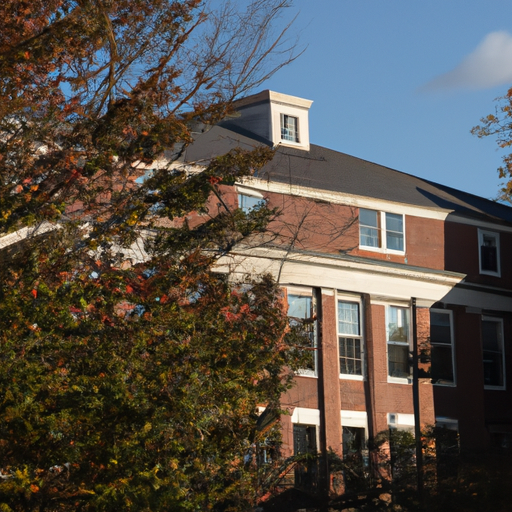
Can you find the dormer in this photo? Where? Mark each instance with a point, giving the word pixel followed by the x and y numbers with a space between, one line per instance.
pixel 278 118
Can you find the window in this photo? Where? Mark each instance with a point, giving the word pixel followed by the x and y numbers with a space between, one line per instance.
pixel 304 442
pixel 446 437
pixel 492 347
pixel 350 338
pixel 289 128
pixel 301 312
pixel 381 230
pixel 441 345
pixel 247 203
pixel 402 422
pixel 398 342
pixel 353 441
pixel 489 244
pixel 304 439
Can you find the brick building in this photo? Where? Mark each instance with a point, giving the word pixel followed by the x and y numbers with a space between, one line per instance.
pixel 379 261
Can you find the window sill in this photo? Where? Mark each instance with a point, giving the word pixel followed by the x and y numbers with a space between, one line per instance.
pixel 381 250
pixel 346 376
pixel 399 380
pixel 306 373
pixel 445 384
pixel 495 388
pixel 489 273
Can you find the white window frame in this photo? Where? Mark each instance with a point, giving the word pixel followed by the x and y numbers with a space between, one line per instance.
pixel 357 419
pixel 482 234
pixel 452 346
pixel 382 231
pixel 257 196
pixel 307 417
pixel 307 291
pixel 392 379
pixel 499 321
pixel 353 300
pixel 401 421
pixel 283 118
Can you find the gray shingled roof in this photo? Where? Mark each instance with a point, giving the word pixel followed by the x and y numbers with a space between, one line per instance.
pixel 329 170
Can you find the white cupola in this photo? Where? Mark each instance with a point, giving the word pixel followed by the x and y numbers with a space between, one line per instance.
pixel 278 118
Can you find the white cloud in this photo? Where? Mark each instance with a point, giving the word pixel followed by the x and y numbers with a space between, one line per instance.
pixel 489 65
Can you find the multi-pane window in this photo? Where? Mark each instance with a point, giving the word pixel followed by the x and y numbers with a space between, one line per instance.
pixel 289 128
pixel 489 244
pixel 394 232
pixel 381 230
pixel 304 442
pixel 369 228
pixel 350 338
pixel 441 345
pixel 398 341
pixel 301 313
pixel 492 346
pixel 247 203
pixel 353 441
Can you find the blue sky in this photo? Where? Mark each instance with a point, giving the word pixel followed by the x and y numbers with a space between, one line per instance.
pixel 402 82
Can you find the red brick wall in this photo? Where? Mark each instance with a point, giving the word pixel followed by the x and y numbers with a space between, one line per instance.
pixel 462 254
pixel 424 242
pixel 465 402
pixel 331 374
pixel 304 393
pixel 391 397
pixel 426 392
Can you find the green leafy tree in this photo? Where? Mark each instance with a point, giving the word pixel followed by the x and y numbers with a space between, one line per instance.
pixel 132 372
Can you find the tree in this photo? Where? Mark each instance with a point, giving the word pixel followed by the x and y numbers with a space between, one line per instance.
pixel 499 125
pixel 132 372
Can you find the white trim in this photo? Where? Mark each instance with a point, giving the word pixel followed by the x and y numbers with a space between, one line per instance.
pixel 306 416
pixel 299 112
pixel 358 419
pixel 358 277
pixel 448 312
pixel 383 233
pixel 297 289
pixel 399 380
pixel 389 301
pixel 345 376
pixel 249 192
pixel 307 291
pixel 27 232
pixel 326 262
pixel 354 299
pixel 354 418
pixel 496 236
pixel 401 419
pixel 354 200
pixel 346 199
pixel 499 321
pixel 408 315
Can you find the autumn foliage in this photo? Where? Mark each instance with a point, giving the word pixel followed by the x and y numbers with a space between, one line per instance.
pixel 132 372
pixel 499 125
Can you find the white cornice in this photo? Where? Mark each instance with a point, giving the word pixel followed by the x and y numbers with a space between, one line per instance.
pixel 345 199
pixel 27 232
pixel 374 267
